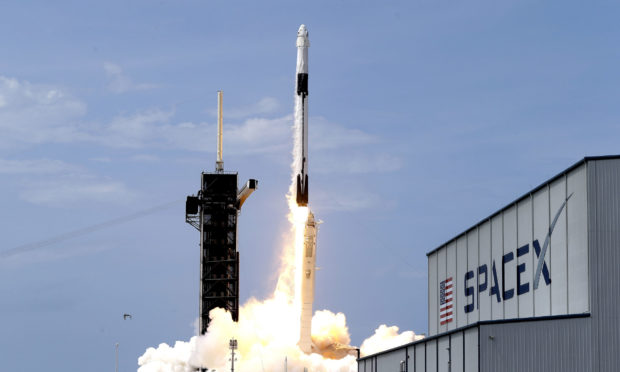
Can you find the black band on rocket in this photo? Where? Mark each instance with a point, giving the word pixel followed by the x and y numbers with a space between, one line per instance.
pixel 302 84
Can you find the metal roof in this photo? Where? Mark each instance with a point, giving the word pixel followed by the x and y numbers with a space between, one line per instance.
pixel 477 324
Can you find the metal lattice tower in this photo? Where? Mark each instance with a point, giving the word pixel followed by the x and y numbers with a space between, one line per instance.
pixel 214 213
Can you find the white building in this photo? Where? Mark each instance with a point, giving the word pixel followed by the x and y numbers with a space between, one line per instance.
pixel 533 287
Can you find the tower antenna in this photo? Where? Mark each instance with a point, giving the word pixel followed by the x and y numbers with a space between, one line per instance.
pixel 219 164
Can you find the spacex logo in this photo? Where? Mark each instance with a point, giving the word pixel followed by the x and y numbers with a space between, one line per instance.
pixel 487 276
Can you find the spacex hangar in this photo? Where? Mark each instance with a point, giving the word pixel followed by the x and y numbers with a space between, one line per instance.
pixel 533 287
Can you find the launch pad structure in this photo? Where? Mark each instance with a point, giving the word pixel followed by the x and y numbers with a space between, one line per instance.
pixel 214 212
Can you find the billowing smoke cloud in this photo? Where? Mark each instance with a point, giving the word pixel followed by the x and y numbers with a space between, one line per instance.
pixel 266 343
pixel 168 359
pixel 386 338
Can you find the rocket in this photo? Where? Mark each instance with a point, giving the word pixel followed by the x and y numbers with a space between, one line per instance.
pixel 308 269
pixel 301 117
pixel 301 191
pixel 308 259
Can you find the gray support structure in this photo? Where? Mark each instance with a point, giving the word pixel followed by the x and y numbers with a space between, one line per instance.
pixel 557 345
pixel 214 213
pixel 604 259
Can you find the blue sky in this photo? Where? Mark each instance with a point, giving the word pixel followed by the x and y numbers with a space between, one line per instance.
pixel 425 117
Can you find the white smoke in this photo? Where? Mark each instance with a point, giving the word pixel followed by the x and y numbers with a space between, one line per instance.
pixel 168 359
pixel 387 338
pixel 265 343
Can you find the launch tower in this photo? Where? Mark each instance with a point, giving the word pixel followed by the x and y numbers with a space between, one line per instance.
pixel 214 212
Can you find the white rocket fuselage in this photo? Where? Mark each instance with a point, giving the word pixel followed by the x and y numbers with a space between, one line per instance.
pixel 301 117
pixel 301 181
pixel 307 284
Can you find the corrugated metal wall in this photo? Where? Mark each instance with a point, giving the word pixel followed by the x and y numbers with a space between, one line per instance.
pixel 604 240
pixel 549 345
pixel 391 361
pixel 560 345
pixel 420 361
pixel 454 352
pixel 493 264
pixel 471 350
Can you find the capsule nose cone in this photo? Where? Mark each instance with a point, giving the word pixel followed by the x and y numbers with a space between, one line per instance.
pixel 302 31
pixel 302 37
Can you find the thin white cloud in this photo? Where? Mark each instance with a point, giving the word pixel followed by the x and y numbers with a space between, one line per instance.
pixel 356 162
pixel 253 135
pixel 36 166
pixel 152 129
pixel 37 114
pixel 71 189
pixel 119 82
pixel 412 274
pixel 266 105
pixel 345 200
pixel 144 158
pixel 64 184
pixel 260 135
pixel 134 131
pixel 327 135
pixel 101 159
pixel 61 252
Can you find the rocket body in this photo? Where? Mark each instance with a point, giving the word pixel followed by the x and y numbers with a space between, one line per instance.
pixel 301 191
pixel 301 117
pixel 307 284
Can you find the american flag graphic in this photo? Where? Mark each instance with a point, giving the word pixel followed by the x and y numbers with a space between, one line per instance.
pixel 445 301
